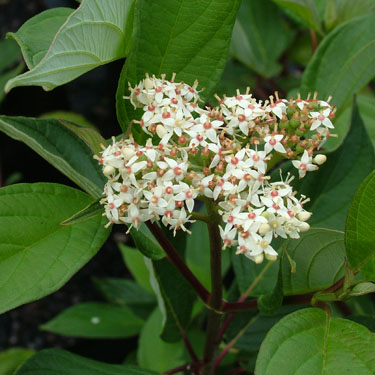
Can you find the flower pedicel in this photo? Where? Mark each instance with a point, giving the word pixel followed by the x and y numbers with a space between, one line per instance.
pixel 222 154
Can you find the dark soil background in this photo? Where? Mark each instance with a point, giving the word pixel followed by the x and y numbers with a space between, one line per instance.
pixel 93 96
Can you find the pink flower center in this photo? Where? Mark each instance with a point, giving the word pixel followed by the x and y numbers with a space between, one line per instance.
pixel 241 118
pixel 321 117
pixel 177 171
pixel 303 166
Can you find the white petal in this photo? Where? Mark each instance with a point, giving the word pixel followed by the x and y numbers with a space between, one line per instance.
pixel 280 148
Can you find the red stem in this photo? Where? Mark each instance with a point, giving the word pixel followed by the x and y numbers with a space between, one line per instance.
pixel 178 262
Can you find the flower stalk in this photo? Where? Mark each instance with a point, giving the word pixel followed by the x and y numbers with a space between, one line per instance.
pixel 215 301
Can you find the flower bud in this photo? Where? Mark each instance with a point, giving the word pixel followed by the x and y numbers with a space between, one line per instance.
pixel 161 131
pixel 320 159
pixel 264 229
pixel 108 170
pixel 148 84
pixel 304 227
pixel 271 257
pixel 128 152
pixel 304 215
pixel 258 259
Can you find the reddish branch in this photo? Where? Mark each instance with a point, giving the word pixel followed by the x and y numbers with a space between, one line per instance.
pixel 177 261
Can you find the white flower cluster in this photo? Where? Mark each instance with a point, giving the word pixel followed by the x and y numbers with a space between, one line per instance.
pixel 221 154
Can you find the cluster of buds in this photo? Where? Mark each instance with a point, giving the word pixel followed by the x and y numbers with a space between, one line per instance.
pixel 221 154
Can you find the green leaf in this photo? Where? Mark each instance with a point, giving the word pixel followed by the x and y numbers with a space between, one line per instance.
pixel 269 304
pixel 93 209
pixel 135 262
pixel 309 341
pixel 363 311
pixel 343 63
pixel 175 298
pixel 37 254
pixel 126 292
pixel 36 34
pixel 362 288
pixel 154 353
pixel 360 229
pixel 320 261
pixel 123 292
pixel 333 186
pixel 366 105
pixel 92 35
pixel 146 243
pixel 198 254
pixel 9 54
pixel 95 320
pixel 60 147
pixel 260 36
pixel 55 361
pixel 256 332
pixel 304 11
pixel 11 359
pixel 5 77
pixel 343 10
pixel 247 271
pixel 89 135
pixel 190 38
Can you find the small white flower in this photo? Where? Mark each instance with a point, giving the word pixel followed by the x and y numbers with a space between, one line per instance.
pixel 305 164
pixel 321 119
pixel 273 142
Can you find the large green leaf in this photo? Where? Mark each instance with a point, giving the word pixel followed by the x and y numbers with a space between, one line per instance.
pixel 309 341
pixel 339 11
pixel 333 186
pixel 190 38
pixel 247 271
pixel 305 11
pixel 255 327
pixel 366 107
pixel 135 262
pixel 360 229
pixel 9 55
pixel 344 62
pixel 95 320
pixel 175 298
pixel 36 34
pixel 320 261
pixel 89 135
pixel 260 36
pixel 13 358
pixel 127 292
pixel 60 147
pixel 123 291
pixel 198 254
pixel 146 243
pixel 37 254
pixel 92 35
pixel 55 361
pixel 154 353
